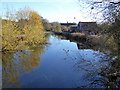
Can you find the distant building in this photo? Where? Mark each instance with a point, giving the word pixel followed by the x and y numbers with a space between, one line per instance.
pixel 88 27
pixel 83 27
pixel 73 29
pixel 70 27
pixel 68 24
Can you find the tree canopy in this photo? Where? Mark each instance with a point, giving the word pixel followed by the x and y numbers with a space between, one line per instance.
pixel 22 29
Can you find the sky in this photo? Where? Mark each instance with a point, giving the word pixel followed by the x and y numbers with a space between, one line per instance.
pixel 52 10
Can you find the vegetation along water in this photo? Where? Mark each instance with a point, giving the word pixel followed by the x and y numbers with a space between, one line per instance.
pixel 37 53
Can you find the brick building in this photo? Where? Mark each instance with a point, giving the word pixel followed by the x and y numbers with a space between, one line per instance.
pixel 87 27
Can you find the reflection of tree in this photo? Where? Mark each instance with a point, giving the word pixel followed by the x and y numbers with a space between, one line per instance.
pixel 103 73
pixel 14 64
pixel 107 70
pixel 111 74
pixel 107 76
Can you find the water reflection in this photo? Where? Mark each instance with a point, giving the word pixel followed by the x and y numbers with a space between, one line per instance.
pixel 0 70
pixel 65 64
pixel 110 75
pixel 18 63
pixel 82 46
pixel 103 71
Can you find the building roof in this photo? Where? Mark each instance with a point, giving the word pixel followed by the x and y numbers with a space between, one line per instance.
pixel 87 26
pixel 75 27
pixel 87 22
pixel 68 24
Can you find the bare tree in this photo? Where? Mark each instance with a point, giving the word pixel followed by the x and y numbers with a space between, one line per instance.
pixel 108 12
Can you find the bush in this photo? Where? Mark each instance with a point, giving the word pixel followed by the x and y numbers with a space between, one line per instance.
pixel 22 29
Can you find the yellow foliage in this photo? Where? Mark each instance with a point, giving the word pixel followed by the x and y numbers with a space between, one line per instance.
pixel 23 28
pixel 15 64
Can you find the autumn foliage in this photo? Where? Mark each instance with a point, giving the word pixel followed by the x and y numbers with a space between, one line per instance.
pixel 22 29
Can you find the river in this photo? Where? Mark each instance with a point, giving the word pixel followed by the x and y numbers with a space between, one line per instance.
pixel 60 64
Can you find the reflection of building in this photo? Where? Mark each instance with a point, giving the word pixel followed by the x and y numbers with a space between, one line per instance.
pixel 82 46
pixel 87 27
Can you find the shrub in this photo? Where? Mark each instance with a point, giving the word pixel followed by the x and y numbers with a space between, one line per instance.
pixel 22 29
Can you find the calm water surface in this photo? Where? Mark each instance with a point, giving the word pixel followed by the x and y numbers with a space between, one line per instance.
pixel 58 65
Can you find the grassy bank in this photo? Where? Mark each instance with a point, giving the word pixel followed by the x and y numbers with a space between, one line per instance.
pixel 81 37
pixel 91 40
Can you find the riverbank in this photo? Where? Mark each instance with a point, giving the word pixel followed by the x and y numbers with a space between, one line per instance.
pixel 103 41
pixel 91 40
pixel 41 63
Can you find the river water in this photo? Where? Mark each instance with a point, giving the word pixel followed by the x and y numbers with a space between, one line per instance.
pixel 60 64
